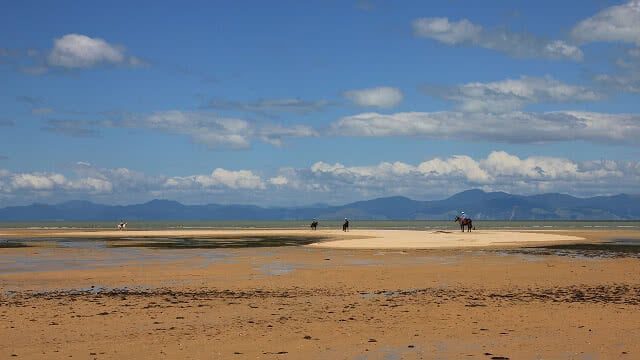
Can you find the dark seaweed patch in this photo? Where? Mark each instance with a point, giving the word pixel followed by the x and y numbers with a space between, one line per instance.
pixel 216 243
pixel 611 249
pixel 12 244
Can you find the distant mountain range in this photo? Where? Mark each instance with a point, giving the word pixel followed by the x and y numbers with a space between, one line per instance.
pixel 476 203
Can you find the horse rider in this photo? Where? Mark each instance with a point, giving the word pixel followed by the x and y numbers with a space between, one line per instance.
pixel 463 217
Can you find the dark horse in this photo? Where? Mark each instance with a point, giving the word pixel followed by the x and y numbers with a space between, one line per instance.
pixel 314 224
pixel 345 225
pixel 464 222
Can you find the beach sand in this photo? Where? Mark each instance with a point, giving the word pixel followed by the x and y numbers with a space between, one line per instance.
pixel 490 300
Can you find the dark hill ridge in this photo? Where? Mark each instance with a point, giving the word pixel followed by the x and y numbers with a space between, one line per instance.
pixel 477 203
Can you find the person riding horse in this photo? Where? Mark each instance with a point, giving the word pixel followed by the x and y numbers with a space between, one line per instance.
pixel 122 225
pixel 345 225
pixel 314 224
pixel 464 221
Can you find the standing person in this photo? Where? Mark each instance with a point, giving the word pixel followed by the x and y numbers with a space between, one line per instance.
pixel 345 226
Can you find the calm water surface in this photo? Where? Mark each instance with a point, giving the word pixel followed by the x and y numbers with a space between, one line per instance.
pixel 364 224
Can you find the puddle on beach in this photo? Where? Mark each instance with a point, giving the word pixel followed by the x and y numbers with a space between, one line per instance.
pixel 277 268
pixel 113 252
pixel 91 253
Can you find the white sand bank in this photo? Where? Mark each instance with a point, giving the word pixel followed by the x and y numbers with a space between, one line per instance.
pixel 402 239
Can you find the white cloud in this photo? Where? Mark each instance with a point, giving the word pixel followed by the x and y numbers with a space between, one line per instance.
pixel 458 165
pixel 513 94
pixel 92 185
pixel 200 127
pixel 380 97
pixel 464 32
pixel 54 182
pixel 215 131
pixel 37 181
pixel 240 179
pixel 499 171
pixel 333 182
pixel 514 127
pixel 441 29
pixel 75 51
pixel 618 23
pixel 278 180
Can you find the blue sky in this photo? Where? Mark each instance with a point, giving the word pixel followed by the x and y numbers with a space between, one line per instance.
pixel 290 103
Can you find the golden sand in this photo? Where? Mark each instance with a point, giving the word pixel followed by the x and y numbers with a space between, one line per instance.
pixel 319 303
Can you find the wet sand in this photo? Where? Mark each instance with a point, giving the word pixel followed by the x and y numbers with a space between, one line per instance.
pixel 306 302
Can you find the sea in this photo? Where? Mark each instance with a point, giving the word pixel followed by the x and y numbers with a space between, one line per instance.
pixel 328 224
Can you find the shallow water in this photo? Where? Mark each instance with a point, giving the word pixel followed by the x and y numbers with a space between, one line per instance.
pixel 326 224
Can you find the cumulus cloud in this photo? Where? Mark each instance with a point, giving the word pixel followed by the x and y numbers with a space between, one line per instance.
pixel 278 180
pixel 240 179
pixel 512 127
pixel 39 181
pixel 445 31
pixel 334 182
pixel 513 94
pixel 70 52
pixel 464 32
pixel 380 97
pixel 88 181
pixel 617 23
pixel 76 51
pixel 499 171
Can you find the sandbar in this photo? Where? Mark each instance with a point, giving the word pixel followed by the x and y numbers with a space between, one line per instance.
pixel 354 239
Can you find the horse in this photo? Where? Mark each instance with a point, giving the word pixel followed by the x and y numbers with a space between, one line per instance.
pixel 122 226
pixel 345 226
pixel 464 222
pixel 314 225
